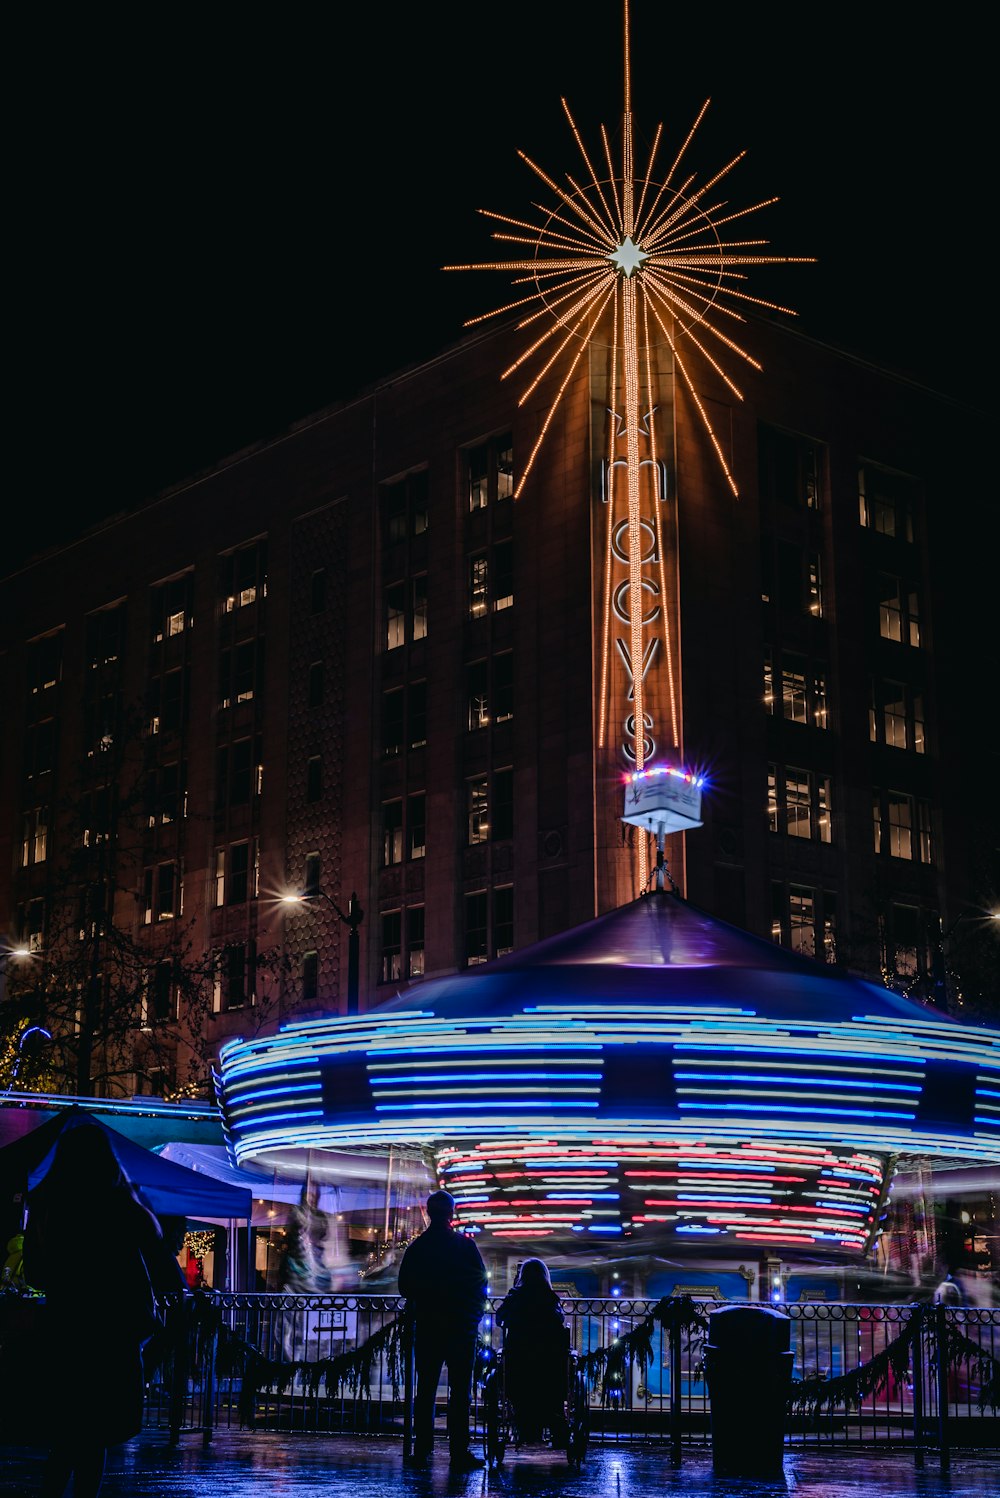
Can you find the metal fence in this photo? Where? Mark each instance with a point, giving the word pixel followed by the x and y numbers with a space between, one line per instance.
pixel 916 1376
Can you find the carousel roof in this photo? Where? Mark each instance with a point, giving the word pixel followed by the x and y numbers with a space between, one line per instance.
pixel 654 1018
pixel 660 950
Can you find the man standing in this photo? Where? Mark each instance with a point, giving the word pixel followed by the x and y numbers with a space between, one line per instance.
pixel 443 1277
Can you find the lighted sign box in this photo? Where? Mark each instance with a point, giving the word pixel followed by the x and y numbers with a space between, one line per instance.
pixel 665 800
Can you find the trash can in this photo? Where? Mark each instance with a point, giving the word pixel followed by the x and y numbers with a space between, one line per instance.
pixel 748 1367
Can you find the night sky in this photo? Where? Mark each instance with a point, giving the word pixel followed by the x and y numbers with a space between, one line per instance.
pixel 217 229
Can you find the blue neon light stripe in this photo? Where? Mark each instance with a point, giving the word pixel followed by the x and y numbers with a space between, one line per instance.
pixel 542 1103
pixel 793 1108
pixel 813 1051
pixel 700 1076
pixel 397 1080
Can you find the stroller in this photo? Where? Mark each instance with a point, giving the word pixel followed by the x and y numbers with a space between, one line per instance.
pixel 541 1399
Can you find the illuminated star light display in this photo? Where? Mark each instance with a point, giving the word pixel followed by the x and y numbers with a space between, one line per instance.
pixel 632 257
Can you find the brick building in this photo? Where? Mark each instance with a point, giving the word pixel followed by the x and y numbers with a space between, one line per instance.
pixel 350 660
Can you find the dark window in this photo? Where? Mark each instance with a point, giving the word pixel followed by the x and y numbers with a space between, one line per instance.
pixel 105 637
pixel 416 825
pixel 392 721
pixel 235 968
pixel 503 920
pixel 316 674
pixel 476 950
pixel 44 663
pixel 310 976
pixel 241 772
pixel 503 686
pixel 418 714
pixel 317 591
pixel 392 832
pixel 314 778
pixel 162 1005
pixel 502 820
pixel 239 873
pixel 313 874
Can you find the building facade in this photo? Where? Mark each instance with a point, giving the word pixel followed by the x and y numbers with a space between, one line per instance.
pixel 350 660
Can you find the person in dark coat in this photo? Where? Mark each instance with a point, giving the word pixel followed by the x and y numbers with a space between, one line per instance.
pixel 535 1353
pixel 443 1278
pixel 96 1326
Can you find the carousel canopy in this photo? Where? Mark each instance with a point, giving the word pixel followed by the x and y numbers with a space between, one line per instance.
pixel 166 1188
pixel 681 1061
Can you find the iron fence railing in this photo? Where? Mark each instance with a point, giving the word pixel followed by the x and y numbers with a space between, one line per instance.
pixel 863 1375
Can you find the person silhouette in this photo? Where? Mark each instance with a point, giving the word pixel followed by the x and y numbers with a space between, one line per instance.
pixel 443 1279
pixel 535 1353
pixel 95 1331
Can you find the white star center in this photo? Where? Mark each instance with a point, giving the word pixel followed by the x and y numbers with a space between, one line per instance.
pixel 627 257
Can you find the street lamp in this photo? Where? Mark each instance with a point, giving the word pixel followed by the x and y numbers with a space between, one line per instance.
pixel 352 920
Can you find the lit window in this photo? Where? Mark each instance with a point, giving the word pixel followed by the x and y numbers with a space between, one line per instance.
pixel 478 585
pixel 907 942
pixel 391 946
pixel 395 615
pixel 392 832
pixel 478 818
pixel 420 606
pixel 798 803
pixel 829 930
pixel 814 585
pixel 505 467
pixel 415 941
pixel 925 843
pixel 894 714
pixel 824 809
pixel 793 689
pixel 35 840
pixel 503 575
pixel 802 920
pixel 219 881
pixel 768 681
pixel 479 700
pixel 900 825
pixel 772 799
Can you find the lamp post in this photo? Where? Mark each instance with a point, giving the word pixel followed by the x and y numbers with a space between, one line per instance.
pixel 352 919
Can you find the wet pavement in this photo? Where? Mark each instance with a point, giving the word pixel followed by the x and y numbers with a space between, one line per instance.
pixel 240 1464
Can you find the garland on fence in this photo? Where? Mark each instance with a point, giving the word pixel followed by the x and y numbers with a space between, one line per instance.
pixel 355 1369
pixel 809 1395
pixel 672 1313
pixel 984 1367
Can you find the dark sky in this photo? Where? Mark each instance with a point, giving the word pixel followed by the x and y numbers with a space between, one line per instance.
pixel 218 228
